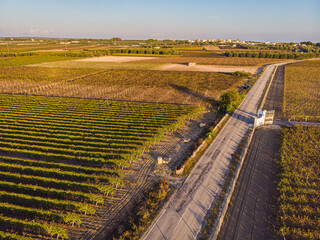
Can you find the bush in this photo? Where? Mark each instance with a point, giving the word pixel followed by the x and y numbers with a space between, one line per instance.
pixel 229 101
pixel 241 74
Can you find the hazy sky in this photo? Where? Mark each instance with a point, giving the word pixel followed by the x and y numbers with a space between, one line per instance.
pixel 260 20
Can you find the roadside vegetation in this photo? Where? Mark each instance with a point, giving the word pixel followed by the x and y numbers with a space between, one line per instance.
pixel 298 186
pixel 143 215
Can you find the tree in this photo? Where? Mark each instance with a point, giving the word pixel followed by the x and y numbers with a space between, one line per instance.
pixel 229 101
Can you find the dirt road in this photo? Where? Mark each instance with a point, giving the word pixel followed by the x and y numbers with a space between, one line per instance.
pixel 275 95
pixel 249 214
pixel 184 214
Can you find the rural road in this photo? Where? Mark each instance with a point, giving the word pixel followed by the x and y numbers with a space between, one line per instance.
pixel 184 214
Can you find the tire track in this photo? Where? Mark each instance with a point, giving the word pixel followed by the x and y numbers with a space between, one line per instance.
pixel 249 214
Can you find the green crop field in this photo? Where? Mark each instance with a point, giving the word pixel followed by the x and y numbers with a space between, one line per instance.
pixel 302 91
pixel 298 186
pixel 61 158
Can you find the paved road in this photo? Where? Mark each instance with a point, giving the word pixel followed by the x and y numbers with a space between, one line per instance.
pixel 184 214
pixel 250 212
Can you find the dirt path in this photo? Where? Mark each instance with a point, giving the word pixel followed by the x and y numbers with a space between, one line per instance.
pixel 274 99
pixel 208 68
pixel 249 215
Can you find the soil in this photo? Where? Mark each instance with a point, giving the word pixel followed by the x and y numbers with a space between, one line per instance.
pixel 115 59
pixel 208 68
pixel 274 99
pixel 251 211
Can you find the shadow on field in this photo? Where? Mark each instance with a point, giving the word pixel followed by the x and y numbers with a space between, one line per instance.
pixel 195 94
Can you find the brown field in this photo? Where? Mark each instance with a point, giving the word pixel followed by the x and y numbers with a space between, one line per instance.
pixel 22 79
pixel 129 85
pixel 207 68
pixel 302 91
pixel 218 61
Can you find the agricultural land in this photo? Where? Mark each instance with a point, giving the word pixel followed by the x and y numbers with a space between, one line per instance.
pixel 302 91
pixel 82 126
pixel 278 198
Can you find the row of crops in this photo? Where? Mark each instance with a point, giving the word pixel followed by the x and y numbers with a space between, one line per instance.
pixel 302 91
pixel 299 189
pixel 62 158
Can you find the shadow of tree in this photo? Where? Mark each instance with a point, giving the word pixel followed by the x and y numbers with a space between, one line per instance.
pixel 195 94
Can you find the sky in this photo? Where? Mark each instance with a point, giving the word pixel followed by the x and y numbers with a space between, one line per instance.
pixel 257 20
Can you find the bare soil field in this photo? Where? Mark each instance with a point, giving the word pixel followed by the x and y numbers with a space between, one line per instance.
pixel 115 59
pixel 208 68
pixel 249 216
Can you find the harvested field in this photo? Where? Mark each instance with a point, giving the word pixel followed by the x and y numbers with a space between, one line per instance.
pixel 139 65
pixel 129 85
pixel 207 68
pixel 217 61
pixel 22 79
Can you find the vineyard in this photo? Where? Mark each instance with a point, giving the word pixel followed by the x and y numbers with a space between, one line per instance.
pixel 24 60
pixel 62 160
pixel 129 85
pixel 302 91
pixel 299 189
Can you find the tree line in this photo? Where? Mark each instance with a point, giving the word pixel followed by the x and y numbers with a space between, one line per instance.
pixel 106 52
pixel 271 55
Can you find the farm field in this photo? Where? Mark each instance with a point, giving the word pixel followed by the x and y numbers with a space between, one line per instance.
pixel 298 186
pixel 25 60
pixel 21 79
pixel 302 91
pixel 134 65
pixel 63 161
pixel 208 68
pixel 148 86
pixel 217 61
